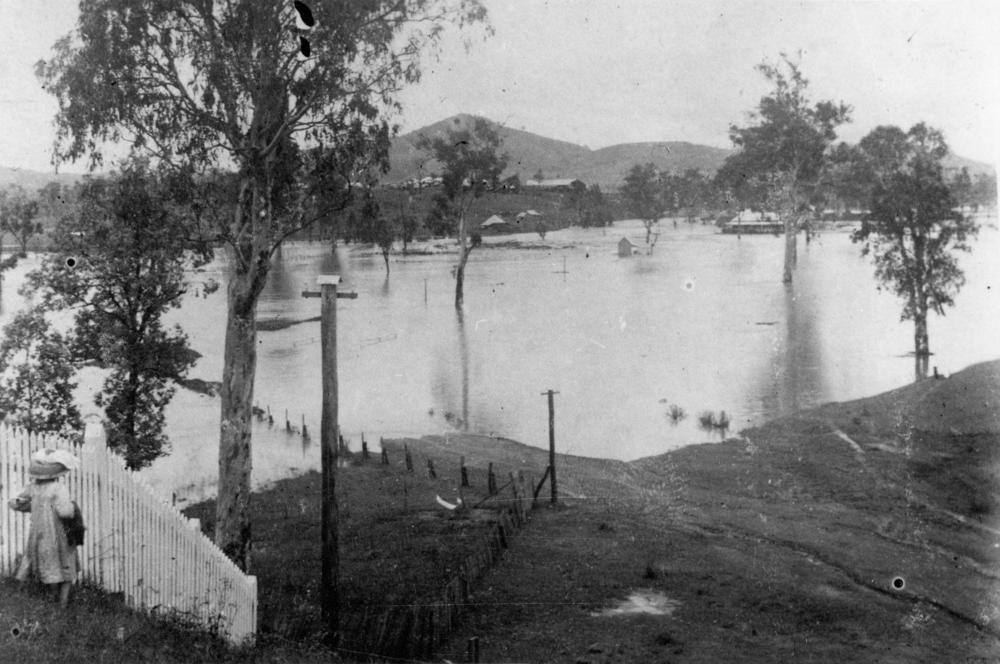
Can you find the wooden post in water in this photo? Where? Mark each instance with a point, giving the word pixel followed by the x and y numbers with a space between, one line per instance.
pixel 329 439
pixel 552 445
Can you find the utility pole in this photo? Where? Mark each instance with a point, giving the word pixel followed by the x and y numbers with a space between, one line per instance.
pixel 552 445
pixel 329 598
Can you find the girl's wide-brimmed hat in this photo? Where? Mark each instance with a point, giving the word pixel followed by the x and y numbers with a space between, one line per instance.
pixel 49 464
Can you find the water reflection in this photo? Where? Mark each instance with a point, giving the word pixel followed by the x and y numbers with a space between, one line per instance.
pixel 463 360
pixel 799 376
pixel 452 375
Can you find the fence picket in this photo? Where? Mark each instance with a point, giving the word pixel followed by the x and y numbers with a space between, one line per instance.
pixel 136 543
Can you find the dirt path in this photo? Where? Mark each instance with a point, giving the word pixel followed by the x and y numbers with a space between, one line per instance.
pixel 864 531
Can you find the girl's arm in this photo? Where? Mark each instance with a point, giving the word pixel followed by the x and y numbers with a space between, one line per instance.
pixel 22 503
pixel 62 502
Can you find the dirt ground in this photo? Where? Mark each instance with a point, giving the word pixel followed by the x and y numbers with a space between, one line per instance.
pixel 865 531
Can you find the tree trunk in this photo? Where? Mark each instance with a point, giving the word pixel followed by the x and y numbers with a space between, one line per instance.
pixel 132 403
pixel 791 226
pixel 463 258
pixel 232 509
pixel 789 250
pixel 921 340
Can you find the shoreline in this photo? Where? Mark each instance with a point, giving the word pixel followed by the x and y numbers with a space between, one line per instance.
pixel 198 491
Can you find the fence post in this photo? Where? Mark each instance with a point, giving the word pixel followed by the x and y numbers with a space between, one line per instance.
pixel 409 459
pixel 385 452
pixel 465 472
pixel 95 439
pixel 430 469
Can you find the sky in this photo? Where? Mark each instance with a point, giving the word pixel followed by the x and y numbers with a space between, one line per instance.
pixel 600 72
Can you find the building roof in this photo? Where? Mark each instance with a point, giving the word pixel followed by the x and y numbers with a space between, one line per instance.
pixel 493 221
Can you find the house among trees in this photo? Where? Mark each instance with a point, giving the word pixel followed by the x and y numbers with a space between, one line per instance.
pixel 748 221
pixel 627 248
pixel 495 224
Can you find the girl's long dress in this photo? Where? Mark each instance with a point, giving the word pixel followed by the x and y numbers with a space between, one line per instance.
pixel 47 555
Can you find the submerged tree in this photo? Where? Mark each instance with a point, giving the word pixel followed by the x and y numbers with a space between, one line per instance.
pixel 913 234
pixel 229 86
pixel 374 227
pixel 643 196
pixel 36 377
pixel 118 264
pixel 472 165
pixel 782 153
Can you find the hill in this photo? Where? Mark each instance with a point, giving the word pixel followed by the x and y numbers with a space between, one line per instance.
pixel 529 153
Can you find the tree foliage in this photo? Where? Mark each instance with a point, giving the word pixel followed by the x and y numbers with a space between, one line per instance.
pixel 36 377
pixel 18 216
pixel 374 227
pixel 207 86
pixel 589 204
pixel 782 152
pixel 688 193
pixel 642 195
pixel 471 165
pixel 913 234
pixel 119 265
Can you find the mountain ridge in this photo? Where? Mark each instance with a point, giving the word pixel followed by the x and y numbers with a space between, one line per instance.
pixel 530 153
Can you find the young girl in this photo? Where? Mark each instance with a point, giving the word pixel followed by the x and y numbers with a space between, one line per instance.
pixel 47 555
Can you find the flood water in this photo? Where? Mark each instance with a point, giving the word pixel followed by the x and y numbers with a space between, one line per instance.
pixel 703 323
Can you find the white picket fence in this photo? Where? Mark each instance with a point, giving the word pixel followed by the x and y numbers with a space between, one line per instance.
pixel 136 543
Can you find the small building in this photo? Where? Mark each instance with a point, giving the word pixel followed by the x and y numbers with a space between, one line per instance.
pixel 627 248
pixel 495 224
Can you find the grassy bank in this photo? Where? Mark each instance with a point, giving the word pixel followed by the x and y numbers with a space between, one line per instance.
pixel 863 531
pixel 399 545
pixel 34 630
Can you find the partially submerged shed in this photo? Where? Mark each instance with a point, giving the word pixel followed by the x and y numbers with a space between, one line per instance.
pixel 627 248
